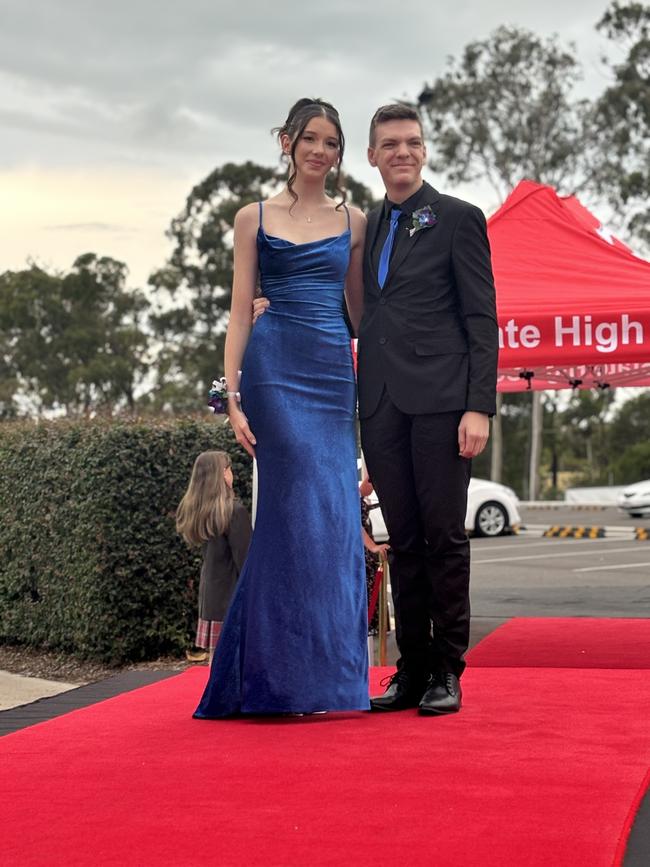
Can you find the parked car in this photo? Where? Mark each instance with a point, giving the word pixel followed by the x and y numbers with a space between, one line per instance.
pixel 492 510
pixel 635 499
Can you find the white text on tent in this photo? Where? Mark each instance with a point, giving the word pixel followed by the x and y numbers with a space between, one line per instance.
pixel 577 331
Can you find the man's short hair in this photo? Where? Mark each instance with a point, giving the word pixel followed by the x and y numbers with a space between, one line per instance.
pixel 394 111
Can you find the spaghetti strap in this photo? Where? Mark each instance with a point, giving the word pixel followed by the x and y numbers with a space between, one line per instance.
pixel 261 224
pixel 347 213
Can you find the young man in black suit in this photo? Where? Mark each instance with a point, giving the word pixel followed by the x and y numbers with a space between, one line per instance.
pixel 428 346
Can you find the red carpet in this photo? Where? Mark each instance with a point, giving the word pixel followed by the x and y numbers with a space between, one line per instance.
pixel 566 642
pixel 542 767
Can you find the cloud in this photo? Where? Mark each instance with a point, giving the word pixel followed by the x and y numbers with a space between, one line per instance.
pixel 103 101
pixel 205 77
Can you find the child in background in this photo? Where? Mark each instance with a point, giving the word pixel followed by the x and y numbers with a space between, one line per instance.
pixel 373 551
pixel 210 515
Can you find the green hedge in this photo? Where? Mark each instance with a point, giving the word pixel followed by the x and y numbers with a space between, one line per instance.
pixel 90 562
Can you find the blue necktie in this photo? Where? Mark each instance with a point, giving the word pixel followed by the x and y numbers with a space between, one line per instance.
pixel 384 258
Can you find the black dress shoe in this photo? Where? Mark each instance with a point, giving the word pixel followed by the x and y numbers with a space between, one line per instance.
pixel 443 695
pixel 404 691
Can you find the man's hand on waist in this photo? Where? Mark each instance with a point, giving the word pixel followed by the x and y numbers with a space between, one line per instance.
pixel 259 306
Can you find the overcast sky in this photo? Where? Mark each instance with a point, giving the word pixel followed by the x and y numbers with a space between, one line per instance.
pixel 110 110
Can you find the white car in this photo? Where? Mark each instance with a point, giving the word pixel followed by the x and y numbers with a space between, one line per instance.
pixel 492 509
pixel 635 499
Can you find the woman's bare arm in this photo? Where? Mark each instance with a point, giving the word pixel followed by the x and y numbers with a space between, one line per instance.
pixel 354 276
pixel 245 269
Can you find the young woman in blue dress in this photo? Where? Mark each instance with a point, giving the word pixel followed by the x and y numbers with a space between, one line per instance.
pixel 294 639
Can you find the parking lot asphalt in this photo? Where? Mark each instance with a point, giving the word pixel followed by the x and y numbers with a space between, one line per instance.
pixel 531 576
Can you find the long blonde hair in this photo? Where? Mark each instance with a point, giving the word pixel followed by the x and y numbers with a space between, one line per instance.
pixel 206 508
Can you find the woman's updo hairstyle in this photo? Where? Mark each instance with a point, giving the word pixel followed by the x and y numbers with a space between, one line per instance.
pixel 294 126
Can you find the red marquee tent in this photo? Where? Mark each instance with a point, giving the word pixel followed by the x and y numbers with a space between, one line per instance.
pixel 573 302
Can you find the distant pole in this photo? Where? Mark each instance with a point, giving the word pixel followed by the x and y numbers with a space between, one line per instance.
pixel 496 453
pixel 535 445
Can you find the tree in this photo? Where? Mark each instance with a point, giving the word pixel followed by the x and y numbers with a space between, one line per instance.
pixel 631 424
pixel 622 121
pixel 585 441
pixel 71 342
pixel 505 111
pixel 194 288
pixel 633 465
pixel 31 312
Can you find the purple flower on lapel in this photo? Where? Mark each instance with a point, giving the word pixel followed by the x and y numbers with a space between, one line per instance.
pixel 423 218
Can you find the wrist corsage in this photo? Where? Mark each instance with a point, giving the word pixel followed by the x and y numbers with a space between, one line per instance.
pixel 219 394
pixel 423 218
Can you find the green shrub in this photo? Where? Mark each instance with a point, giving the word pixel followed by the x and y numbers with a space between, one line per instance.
pixel 90 562
pixel 633 465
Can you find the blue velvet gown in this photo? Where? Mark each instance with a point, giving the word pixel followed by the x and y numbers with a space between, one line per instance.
pixel 294 639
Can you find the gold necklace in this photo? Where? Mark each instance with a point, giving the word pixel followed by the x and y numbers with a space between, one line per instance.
pixel 305 217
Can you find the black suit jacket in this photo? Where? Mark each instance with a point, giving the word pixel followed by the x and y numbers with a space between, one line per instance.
pixel 430 336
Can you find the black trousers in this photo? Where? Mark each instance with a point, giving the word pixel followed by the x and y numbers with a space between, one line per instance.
pixel 421 482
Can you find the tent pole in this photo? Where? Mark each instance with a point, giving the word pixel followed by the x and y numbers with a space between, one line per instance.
pixel 496 453
pixel 535 445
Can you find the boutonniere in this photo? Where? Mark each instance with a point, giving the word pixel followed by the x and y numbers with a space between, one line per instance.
pixel 423 218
